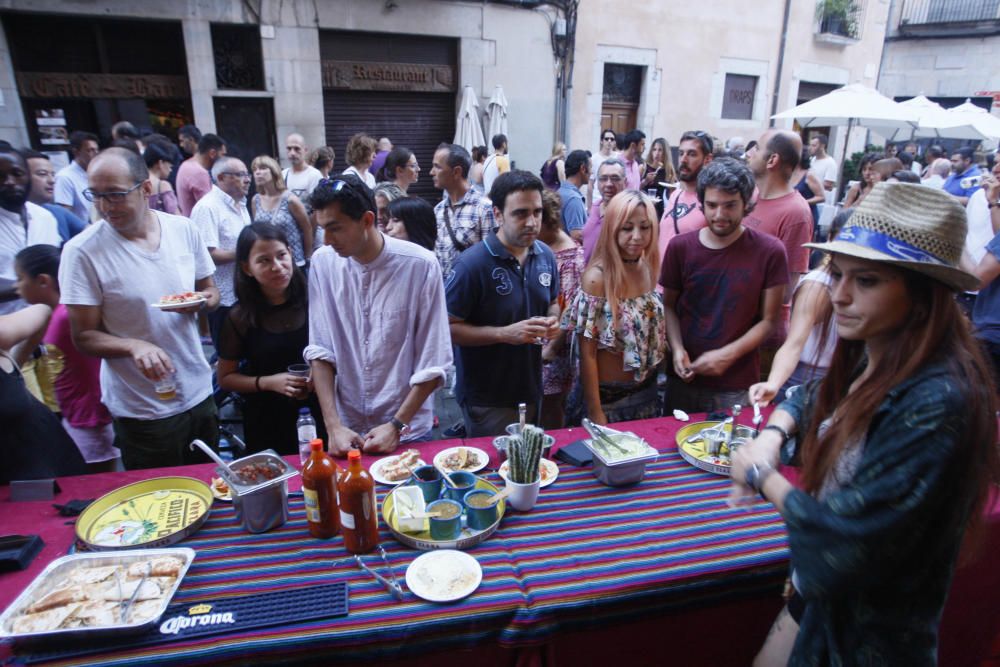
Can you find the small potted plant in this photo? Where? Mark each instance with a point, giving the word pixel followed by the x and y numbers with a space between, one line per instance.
pixel 524 452
pixel 838 17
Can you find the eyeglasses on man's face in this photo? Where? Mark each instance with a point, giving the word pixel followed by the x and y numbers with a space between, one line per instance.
pixel 110 197
pixel 242 175
pixel 610 178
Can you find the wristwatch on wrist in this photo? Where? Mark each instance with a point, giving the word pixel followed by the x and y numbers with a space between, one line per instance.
pixel 757 473
pixel 401 428
pixel 785 437
pixel 993 204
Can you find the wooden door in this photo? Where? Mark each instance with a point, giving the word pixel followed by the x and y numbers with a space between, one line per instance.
pixel 619 117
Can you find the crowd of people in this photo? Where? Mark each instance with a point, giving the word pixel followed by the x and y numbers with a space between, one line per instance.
pixel 614 285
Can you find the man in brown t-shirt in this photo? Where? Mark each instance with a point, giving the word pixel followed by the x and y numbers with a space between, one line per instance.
pixel 782 212
pixel 722 291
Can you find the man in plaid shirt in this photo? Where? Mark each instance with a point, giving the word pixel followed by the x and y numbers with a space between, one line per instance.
pixel 464 217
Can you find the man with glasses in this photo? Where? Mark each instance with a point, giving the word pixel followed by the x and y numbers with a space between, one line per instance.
pixel 681 212
pixel 109 275
pixel 378 328
pixel 193 178
pixel 220 216
pixel 610 181
pixel 605 150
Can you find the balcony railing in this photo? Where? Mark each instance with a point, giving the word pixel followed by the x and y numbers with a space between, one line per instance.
pixel 945 12
pixel 840 20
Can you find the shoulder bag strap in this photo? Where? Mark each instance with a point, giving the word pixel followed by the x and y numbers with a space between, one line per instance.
pixel 461 247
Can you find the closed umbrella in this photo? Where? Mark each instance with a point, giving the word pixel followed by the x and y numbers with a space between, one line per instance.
pixel 936 122
pixel 981 119
pixel 468 131
pixel 496 108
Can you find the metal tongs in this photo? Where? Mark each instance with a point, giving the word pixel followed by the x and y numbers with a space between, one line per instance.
pixel 125 607
pixel 392 586
pixel 602 434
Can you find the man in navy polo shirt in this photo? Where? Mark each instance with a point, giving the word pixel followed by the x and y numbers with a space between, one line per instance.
pixel 502 305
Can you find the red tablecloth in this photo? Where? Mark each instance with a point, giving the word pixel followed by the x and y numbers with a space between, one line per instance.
pixel 581 594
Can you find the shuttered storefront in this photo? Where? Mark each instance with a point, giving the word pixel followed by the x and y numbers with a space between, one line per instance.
pixel 419 121
pixel 396 86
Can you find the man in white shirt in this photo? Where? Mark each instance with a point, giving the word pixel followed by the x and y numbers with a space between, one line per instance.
pixel 109 275
pixel 823 166
pixel 497 163
pixel 378 351
pixel 21 223
pixel 220 216
pixel 938 172
pixel 301 178
pixel 71 180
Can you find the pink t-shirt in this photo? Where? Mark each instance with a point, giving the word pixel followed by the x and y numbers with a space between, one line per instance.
pixel 682 213
pixel 592 230
pixel 788 219
pixel 632 178
pixel 193 183
pixel 78 386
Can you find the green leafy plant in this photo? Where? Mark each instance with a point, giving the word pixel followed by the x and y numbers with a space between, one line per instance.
pixel 524 452
pixel 839 17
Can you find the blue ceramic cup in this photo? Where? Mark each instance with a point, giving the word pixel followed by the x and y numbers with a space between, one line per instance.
pixel 479 518
pixel 449 526
pixel 428 480
pixel 464 481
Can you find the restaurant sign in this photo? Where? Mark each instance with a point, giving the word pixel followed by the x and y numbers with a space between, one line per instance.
pixel 58 84
pixel 357 75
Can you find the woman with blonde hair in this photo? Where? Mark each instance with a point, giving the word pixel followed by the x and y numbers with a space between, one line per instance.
pixel 658 168
pixel 360 154
pixel 618 316
pixel 276 205
pixel 554 170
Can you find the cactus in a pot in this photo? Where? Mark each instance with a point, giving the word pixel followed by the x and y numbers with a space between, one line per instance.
pixel 524 452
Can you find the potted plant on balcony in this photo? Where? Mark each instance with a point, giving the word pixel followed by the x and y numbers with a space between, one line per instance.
pixel 838 17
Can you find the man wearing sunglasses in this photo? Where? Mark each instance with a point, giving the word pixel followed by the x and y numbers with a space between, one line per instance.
pixel 111 275
pixel 378 328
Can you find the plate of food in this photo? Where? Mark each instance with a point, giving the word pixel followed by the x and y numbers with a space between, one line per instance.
pixel 548 469
pixel 394 470
pixel 221 490
pixel 96 594
pixel 444 575
pixel 469 459
pixel 179 301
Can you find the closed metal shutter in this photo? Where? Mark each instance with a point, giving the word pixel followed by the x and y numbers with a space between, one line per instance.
pixel 419 121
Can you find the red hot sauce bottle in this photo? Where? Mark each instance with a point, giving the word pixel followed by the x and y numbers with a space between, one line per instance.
pixel 319 488
pixel 358 512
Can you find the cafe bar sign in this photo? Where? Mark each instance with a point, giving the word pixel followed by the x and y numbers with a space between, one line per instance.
pixel 58 84
pixel 356 75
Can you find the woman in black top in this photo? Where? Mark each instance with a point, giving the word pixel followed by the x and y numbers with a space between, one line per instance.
pixel 263 335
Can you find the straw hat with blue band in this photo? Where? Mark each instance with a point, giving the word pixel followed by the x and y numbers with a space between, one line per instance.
pixel 911 226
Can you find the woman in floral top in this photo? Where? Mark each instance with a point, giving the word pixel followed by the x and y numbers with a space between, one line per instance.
pixel 897 443
pixel 618 316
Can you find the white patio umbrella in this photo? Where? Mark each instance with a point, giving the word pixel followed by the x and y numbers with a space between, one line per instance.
pixel 855 105
pixel 497 110
pixel 468 131
pixel 937 122
pixel 981 119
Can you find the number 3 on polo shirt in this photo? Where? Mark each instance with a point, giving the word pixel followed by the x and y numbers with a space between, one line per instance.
pixel 504 285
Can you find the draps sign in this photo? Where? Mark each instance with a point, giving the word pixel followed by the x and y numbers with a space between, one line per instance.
pixel 738 96
pixel 197 616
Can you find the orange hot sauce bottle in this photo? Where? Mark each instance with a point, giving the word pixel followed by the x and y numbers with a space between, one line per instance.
pixel 358 512
pixel 319 487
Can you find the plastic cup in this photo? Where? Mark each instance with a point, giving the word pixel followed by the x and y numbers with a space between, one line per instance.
pixel 300 370
pixel 165 388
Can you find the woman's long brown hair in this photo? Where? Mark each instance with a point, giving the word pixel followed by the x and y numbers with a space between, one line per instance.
pixel 935 331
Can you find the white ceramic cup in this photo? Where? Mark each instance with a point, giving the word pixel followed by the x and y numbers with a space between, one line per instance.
pixel 523 496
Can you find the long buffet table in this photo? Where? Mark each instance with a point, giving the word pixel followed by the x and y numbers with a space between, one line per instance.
pixel 659 572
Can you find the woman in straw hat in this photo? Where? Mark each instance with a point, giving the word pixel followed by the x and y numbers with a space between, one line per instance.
pixel 897 444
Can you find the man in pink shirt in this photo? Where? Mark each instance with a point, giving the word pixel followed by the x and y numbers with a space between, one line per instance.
pixel 610 181
pixel 193 178
pixel 682 213
pixel 635 145
pixel 781 211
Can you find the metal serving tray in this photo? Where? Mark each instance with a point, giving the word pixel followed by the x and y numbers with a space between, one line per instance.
pixel 54 573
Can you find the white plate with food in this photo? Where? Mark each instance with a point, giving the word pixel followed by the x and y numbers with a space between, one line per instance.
pixel 179 301
pixel 468 459
pixel 97 594
pixel 444 575
pixel 221 490
pixel 394 470
pixel 547 468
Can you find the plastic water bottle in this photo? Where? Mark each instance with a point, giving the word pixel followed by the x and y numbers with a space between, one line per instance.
pixel 306 427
